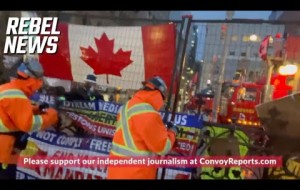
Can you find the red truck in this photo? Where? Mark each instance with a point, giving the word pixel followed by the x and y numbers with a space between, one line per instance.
pixel 238 102
pixel 239 99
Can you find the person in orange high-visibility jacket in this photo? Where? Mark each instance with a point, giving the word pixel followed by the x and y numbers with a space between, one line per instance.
pixel 18 115
pixel 141 132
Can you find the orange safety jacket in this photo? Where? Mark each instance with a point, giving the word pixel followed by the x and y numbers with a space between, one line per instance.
pixel 140 132
pixel 16 114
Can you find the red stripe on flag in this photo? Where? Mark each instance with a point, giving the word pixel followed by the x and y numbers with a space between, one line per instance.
pixel 58 65
pixel 159 51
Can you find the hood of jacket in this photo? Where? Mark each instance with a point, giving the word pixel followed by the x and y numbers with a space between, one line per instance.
pixel 153 98
pixel 28 86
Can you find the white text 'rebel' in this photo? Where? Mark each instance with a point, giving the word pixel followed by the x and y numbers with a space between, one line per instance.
pixel 31 35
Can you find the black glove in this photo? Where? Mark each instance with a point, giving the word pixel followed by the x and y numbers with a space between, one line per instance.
pixel 43 106
pixel 171 126
pixel 21 140
pixel 59 123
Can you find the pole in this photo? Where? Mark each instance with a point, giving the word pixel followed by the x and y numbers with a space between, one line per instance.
pixel 198 85
pixel 267 93
pixel 199 76
pixel 175 69
pixel 216 103
pixel 247 63
pixel 182 61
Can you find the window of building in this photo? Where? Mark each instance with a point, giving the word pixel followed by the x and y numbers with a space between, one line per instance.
pixel 234 38
pixel 258 39
pixel 243 54
pixel 245 38
pixel 231 53
pixel 150 16
pixel 255 54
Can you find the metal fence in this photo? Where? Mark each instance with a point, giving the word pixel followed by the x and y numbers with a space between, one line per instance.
pixel 201 52
pixel 206 48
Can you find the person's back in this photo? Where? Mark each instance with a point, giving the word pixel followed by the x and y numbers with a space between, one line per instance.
pixel 17 115
pixel 73 95
pixel 140 132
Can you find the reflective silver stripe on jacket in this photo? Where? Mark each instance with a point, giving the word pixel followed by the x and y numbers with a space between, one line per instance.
pixel 123 151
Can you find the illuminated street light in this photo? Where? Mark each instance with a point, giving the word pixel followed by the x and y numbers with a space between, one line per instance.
pixel 288 69
pixel 191 71
pixel 182 77
pixel 188 68
pixel 253 38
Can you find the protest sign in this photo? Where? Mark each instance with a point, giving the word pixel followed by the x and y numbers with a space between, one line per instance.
pixel 98 118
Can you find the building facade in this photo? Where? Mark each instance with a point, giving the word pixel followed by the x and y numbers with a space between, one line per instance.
pixel 109 18
pixel 290 28
pixel 243 46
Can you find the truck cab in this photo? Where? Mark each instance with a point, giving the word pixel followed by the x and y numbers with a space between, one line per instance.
pixel 238 102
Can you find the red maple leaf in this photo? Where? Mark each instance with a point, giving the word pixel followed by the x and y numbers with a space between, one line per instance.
pixel 105 61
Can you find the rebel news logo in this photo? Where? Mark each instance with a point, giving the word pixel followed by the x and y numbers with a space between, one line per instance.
pixel 31 35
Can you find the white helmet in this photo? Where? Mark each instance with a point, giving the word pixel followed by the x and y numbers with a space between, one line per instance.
pixel 32 68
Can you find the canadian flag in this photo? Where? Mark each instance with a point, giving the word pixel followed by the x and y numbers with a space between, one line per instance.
pixel 119 56
pixel 263 50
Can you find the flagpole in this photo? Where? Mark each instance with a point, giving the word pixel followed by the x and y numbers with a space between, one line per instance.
pixel 263 53
pixel 217 98
pixel 180 63
pixel 268 82
pixel 175 69
pixel 188 19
